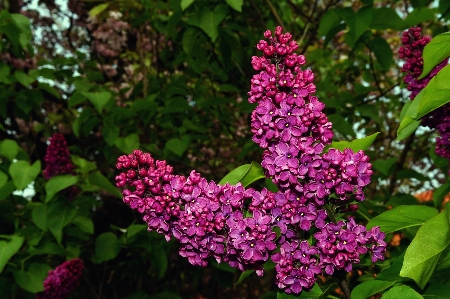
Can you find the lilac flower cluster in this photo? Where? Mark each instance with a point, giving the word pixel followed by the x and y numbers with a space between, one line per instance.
pixel 61 281
pixel 243 227
pixel 57 158
pixel 411 51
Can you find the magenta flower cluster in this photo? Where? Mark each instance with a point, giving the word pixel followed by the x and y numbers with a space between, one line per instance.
pixel 244 227
pixel 61 281
pixel 57 158
pixel 439 119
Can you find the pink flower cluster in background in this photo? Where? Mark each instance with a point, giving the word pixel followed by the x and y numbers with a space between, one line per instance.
pixel 57 158
pixel 439 119
pixel 243 226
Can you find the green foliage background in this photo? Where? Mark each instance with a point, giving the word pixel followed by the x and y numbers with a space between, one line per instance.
pixel 186 102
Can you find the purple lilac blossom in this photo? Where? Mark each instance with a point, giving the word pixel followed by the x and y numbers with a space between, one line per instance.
pixel 412 51
pixel 238 225
pixel 61 281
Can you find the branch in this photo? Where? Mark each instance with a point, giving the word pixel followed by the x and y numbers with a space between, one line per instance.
pixel 274 11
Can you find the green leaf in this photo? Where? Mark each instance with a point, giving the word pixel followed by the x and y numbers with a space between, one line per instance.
pixel 39 216
pixel 9 149
pixel 186 3
pixel 98 179
pixel 401 292
pixel 189 38
pixel 387 18
pixel 9 249
pixel 107 247
pixel 425 249
pixel 433 96
pixel 159 261
pixel 23 78
pixel 84 165
pixel 436 291
pixel 407 126
pixel 410 173
pixel 133 229
pixel 382 52
pixel 23 173
pixel 3 179
pixel 58 183
pixel 255 173
pixel 98 9
pixel 235 4
pixel 355 145
pixel 84 223
pixel 402 217
pixel 33 280
pixel 7 189
pixel 440 193
pixel 420 15
pixel 178 146
pixel 209 21
pixel 60 213
pixel 329 20
pixel 370 111
pixel 369 288
pixel 243 276
pixel 98 99
pixel 236 175
pixel 127 144
pixel 385 167
pixel 435 52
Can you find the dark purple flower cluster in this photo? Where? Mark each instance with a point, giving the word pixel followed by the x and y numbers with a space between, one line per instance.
pixel 57 157
pixel 439 119
pixel 61 281
pixel 238 225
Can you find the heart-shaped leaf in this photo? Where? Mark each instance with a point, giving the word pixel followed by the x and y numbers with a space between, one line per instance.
pixel 23 173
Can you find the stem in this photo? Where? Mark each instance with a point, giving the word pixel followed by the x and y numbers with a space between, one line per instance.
pixel 342 278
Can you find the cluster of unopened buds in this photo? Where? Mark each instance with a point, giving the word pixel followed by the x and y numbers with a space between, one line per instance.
pixel 412 51
pixel 245 227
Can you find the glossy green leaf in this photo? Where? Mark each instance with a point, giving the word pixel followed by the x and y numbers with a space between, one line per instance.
pixel 178 146
pixel 382 52
pixel 107 247
pixel 9 248
pixel 84 223
pixel 32 280
pixel 420 15
pixel 440 193
pixel 435 52
pixel 423 253
pixel 9 149
pixel 236 175
pixel 186 3
pixel 255 173
pixel 98 99
pixel 401 292
pixel 387 18
pixel 98 179
pixel 235 4
pixel 60 214
pixel 369 288
pixel 58 183
pixel 209 21
pixel 402 217
pixel 127 144
pixel 23 173
pixel 407 126
pixel 355 145
pixel 96 10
